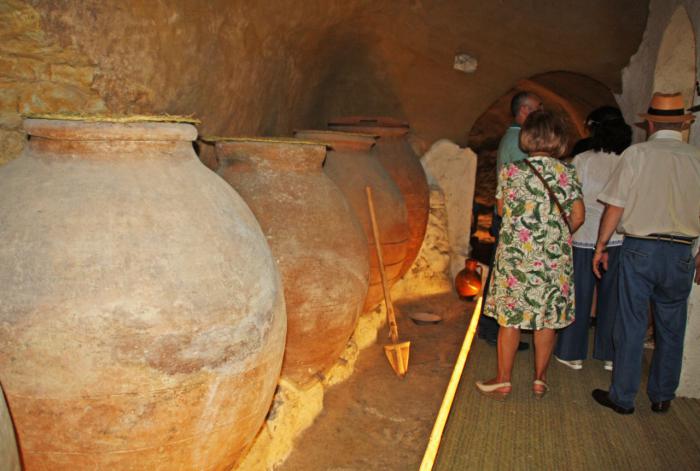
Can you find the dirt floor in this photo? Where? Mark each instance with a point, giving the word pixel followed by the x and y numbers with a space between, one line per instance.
pixel 376 420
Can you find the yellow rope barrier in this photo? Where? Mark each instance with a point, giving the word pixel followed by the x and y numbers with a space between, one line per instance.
pixel 436 435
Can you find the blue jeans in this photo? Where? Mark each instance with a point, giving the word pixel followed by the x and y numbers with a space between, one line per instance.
pixel 661 273
pixel 572 341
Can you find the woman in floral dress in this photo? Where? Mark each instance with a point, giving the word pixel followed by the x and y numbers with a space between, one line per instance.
pixel 532 285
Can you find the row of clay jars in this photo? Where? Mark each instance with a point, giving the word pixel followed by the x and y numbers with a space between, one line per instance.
pixel 318 242
pixel 352 167
pixel 394 152
pixel 142 322
pixel 321 248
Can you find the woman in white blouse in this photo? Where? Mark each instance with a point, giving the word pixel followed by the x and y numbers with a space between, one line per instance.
pixel 610 135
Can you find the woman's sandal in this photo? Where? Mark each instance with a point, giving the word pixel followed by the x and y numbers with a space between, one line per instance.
pixel 498 391
pixel 539 388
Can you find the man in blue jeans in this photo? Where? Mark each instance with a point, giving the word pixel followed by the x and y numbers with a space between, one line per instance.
pixel 521 105
pixel 653 197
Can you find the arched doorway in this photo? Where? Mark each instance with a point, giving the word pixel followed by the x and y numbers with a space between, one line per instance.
pixel 573 95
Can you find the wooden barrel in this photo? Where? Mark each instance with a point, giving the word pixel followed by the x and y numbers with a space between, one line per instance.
pixel 142 319
pixel 352 167
pixel 394 152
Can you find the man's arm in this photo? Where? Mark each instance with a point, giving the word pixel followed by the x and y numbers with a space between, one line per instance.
pixel 608 223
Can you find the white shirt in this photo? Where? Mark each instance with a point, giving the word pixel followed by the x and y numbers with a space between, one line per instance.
pixel 594 169
pixel 658 184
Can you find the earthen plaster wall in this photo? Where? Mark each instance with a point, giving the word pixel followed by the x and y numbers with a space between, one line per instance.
pixel 265 68
pixel 638 80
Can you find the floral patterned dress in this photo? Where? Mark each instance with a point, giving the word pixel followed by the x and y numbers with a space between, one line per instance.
pixel 533 283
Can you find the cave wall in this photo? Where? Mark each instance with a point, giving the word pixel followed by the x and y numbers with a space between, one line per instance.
pixel 37 74
pixel 265 68
pixel 639 80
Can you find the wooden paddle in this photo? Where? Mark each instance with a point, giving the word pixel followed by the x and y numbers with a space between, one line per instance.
pixel 397 353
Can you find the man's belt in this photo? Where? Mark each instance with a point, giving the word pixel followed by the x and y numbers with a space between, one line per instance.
pixel 665 237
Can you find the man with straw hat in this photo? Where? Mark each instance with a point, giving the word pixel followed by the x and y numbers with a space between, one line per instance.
pixel 653 197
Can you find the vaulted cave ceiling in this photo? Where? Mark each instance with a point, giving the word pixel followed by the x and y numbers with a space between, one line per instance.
pixel 268 67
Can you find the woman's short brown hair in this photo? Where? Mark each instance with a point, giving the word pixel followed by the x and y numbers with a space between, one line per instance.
pixel 544 133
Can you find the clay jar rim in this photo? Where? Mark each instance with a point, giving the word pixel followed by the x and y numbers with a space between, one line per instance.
pixel 371 121
pixel 381 126
pixel 340 140
pixel 270 152
pixel 94 129
pixel 271 140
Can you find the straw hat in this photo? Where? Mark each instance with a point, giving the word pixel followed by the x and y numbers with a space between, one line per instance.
pixel 667 108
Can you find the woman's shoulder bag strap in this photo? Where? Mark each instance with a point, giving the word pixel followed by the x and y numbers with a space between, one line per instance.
pixel 552 196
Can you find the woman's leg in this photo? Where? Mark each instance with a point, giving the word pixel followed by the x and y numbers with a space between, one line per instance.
pixel 508 339
pixel 572 341
pixel 544 344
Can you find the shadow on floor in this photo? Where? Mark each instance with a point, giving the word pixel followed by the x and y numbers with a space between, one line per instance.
pixel 376 420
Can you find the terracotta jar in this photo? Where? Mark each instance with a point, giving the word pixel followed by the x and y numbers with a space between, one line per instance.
pixel 394 152
pixel 468 280
pixel 352 167
pixel 316 238
pixel 142 319
pixel 9 455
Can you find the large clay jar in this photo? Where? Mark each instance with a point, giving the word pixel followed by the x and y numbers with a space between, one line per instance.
pixel 9 455
pixel 316 238
pixel 352 167
pixel 394 152
pixel 142 319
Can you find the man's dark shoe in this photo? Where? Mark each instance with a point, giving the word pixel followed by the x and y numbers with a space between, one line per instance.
pixel 661 407
pixel 602 398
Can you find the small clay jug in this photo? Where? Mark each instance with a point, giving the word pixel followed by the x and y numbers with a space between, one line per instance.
pixel 468 280
pixel 395 153
pixel 352 167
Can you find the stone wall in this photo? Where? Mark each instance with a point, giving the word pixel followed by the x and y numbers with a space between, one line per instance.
pixel 453 170
pixel 638 80
pixel 430 273
pixel 268 67
pixel 37 74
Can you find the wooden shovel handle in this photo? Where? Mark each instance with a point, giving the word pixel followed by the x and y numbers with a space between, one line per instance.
pixel 391 317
